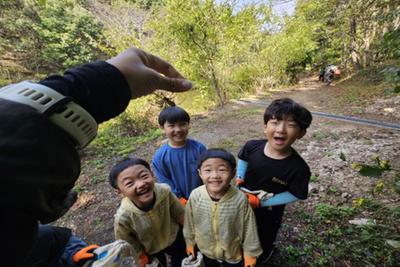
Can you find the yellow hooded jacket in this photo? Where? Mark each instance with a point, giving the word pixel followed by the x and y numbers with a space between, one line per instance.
pixel 150 231
pixel 224 229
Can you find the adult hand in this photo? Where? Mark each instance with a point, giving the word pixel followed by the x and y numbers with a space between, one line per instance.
pixel 143 71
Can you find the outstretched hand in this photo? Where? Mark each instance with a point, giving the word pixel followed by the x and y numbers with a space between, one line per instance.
pixel 146 73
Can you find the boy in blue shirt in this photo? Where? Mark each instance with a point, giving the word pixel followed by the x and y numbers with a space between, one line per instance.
pixel 175 163
pixel 272 165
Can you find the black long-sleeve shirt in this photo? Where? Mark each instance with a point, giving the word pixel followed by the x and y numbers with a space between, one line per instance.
pixel 98 87
pixel 38 161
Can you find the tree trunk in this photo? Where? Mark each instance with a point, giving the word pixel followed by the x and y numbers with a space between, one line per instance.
pixel 355 57
pixel 215 83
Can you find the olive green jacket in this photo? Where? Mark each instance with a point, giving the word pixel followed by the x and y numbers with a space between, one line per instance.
pixel 151 231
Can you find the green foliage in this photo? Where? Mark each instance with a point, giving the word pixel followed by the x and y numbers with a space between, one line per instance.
pixel 121 135
pixel 374 170
pixel 314 178
pixel 211 44
pixel 389 45
pixel 354 34
pixel 69 41
pixel 328 212
pixel 113 142
pixel 50 37
pixel 392 76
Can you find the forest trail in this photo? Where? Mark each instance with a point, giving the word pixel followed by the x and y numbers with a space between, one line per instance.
pixel 330 147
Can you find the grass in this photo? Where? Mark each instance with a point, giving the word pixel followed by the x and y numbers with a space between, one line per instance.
pixel 363 86
pixel 112 142
pixel 328 239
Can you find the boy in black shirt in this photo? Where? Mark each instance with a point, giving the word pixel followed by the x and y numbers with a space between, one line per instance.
pixel 272 165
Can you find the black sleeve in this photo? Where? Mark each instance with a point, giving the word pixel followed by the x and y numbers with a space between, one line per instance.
pixel 99 87
pixel 299 184
pixel 244 152
pixel 249 148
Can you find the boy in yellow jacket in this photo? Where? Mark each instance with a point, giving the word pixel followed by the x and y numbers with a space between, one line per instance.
pixel 149 216
pixel 218 218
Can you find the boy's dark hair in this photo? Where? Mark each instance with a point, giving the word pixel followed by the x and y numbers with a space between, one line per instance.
pixel 280 108
pixel 121 166
pixel 219 153
pixel 173 114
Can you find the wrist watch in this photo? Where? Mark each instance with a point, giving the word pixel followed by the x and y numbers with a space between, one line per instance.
pixel 61 110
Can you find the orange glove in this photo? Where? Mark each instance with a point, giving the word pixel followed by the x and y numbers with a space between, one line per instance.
pixel 190 251
pixel 239 182
pixel 253 200
pixel 84 254
pixel 249 261
pixel 183 201
pixel 143 259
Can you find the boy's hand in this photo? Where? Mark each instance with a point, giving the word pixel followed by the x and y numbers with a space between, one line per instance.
pixel 84 254
pixel 254 201
pixel 143 259
pixel 190 251
pixel 249 261
pixel 146 73
pixel 183 201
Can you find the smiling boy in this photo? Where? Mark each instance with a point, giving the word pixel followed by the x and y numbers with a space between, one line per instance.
pixel 175 163
pixel 218 219
pixel 149 216
pixel 274 166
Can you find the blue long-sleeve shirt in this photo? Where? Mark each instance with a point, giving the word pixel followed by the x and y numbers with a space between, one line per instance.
pixel 177 167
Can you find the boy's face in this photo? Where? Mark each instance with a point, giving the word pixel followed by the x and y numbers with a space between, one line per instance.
pixel 281 134
pixel 216 175
pixel 137 184
pixel 176 132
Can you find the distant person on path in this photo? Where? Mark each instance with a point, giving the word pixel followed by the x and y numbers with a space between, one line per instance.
pixel 272 165
pixel 328 73
pixel 150 216
pixel 175 163
pixel 43 124
pixel 218 218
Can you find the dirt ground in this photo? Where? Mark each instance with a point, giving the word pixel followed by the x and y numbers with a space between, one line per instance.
pixel 335 181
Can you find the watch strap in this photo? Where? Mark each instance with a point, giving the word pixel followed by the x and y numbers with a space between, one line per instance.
pixel 62 111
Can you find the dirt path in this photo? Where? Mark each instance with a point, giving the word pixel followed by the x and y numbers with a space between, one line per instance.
pixel 324 147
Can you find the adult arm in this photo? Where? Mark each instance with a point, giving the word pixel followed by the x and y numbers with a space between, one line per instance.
pixel 105 88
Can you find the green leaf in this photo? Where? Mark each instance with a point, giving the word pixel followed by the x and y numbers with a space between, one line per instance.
pixel 342 156
pixel 42 2
pixel 370 171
